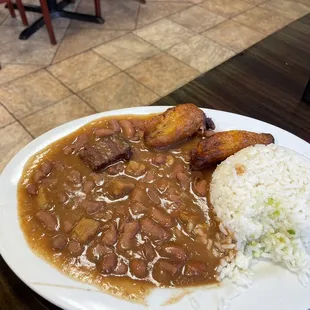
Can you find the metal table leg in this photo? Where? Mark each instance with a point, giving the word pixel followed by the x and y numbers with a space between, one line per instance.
pixel 56 11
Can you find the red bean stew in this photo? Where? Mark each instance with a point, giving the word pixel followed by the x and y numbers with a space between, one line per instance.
pixel 103 208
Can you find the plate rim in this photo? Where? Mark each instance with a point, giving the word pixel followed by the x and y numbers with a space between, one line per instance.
pixel 77 123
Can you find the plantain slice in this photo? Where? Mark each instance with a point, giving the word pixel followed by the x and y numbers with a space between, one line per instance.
pixel 221 145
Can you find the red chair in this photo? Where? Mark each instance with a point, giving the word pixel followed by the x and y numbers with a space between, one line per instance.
pixel 48 20
pixel 20 7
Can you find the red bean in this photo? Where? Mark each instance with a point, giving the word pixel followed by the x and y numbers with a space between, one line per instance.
pixel 67 226
pixel 138 208
pixel 153 195
pixel 159 159
pixel 128 237
pixel 175 252
pixel 195 268
pixel 127 128
pixel 177 168
pixel 149 252
pixel 138 268
pixel 100 250
pixel 104 132
pixel 112 170
pixel 149 176
pixel 32 189
pixel 167 266
pixel 88 186
pixel 161 217
pixel 48 220
pixel 200 187
pixel 92 206
pixel 109 263
pixel 114 125
pixel 68 149
pixel 182 179
pixel 46 167
pixel 121 268
pixel 153 230
pixel 38 176
pixel 59 242
pixel 139 124
pixel 110 236
pixel 75 248
pixel 79 142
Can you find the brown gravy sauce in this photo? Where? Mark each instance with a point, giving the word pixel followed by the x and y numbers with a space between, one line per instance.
pixel 191 223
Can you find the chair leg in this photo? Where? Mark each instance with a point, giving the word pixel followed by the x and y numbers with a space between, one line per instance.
pixel 48 21
pixel 98 8
pixel 22 12
pixel 11 8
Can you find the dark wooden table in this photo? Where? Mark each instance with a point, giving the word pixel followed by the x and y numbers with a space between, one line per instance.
pixel 265 82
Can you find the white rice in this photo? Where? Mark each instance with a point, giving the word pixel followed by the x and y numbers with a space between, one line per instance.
pixel 262 195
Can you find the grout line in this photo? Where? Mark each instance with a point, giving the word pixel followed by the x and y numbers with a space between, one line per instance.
pixel 15 120
pixel 166 16
pixel 89 49
pixel 60 42
pixel 40 109
pixel 86 102
pixel 20 123
pixel 20 77
pixel 9 112
pixel 149 57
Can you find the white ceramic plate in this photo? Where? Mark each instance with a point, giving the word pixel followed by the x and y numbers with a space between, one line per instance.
pixel 273 287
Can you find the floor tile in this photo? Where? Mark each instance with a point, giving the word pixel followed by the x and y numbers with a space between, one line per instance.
pixel 80 40
pixel 226 8
pixel 83 70
pixel 118 14
pixel 5 117
pixel 162 73
pixel 306 2
pixel 153 11
pixel 255 2
pixel 32 17
pixel 262 20
pixel 10 72
pixel 290 9
pixel 31 93
pixel 164 33
pixel 200 53
pixel 36 51
pixel 197 18
pixel 3 14
pixel 126 51
pixel 233 35
pixel 62 112
pixel 118 91
pixel 13 138
pixel 8 34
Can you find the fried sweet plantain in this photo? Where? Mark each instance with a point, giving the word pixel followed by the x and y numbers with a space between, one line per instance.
pixel 221 145
pixel 176 124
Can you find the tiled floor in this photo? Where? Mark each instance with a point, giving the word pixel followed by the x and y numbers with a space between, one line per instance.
pixel 140 54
